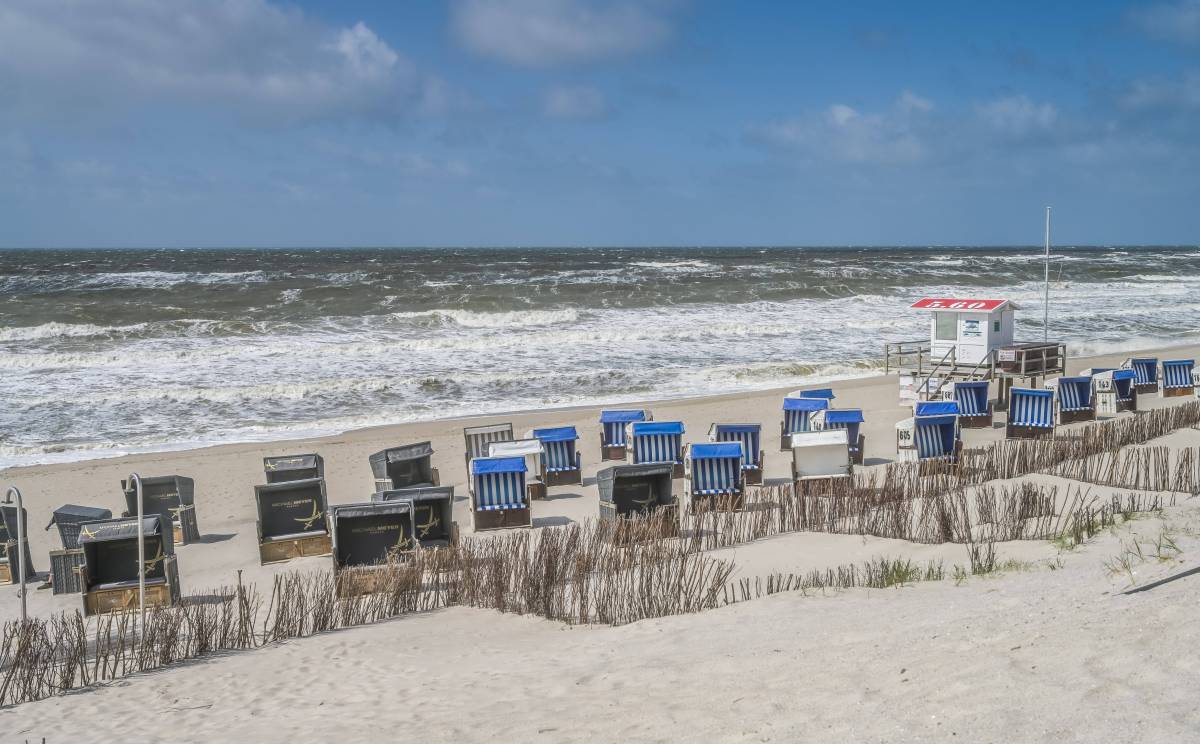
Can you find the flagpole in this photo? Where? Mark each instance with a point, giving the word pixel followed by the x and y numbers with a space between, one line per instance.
pixel 1046 298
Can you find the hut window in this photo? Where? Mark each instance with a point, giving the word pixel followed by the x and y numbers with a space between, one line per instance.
pixel 996 326
pixel 946 326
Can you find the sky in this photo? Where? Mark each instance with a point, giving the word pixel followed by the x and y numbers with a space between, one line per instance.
pixel 174 123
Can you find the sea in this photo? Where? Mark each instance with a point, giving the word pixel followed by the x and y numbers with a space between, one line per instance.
pixel 106 352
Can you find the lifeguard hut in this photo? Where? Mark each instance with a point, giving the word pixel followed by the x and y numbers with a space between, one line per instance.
pixel 969 339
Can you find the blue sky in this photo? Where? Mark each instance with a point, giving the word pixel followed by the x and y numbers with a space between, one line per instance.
pixel 580 122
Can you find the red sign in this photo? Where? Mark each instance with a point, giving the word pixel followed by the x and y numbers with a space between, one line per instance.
pixel 965 306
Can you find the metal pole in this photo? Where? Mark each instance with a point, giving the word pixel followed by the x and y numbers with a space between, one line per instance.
pixel 136 481
pixel 1046 299
pixel 14 491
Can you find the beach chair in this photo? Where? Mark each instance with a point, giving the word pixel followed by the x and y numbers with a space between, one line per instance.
pixel 797 414
pixel 1145 373
pixel 814 394
pixel 612 430
pixel 656 441
pixel 562 464
pixel 10 553
pixel 292 520
pixel 1115 390
pixel 850 419
pixel 293 467
pixel 498 496
pixel 932 435
pixel 109 575
pixel 1073 399
pixel 479 437
pixel 714 476
pixel 432 513
pixel 1030 413
pixel 66 564
pixel 533 451
pixel 173 497
pixel 820 459
pixel 975 409
pixel 407 466
pixel 1179 378
pixel 750 435
pixel 369 539
pixel 629 491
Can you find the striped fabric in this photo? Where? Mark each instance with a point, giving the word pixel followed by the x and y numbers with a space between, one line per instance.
pixel 614 420
pixel 657 448
pixel 1028 407
pixel 614 433
pixel 1074 393
pixel 849 419
pixel 1177 374
pixel 1123 382
pixel 560 456
pixel 934 437
pixel 972 398
pixel 495 491
pixel 477 442
pixel 748 437
pixel 1145 370
pixel 795 421
pixel 718 475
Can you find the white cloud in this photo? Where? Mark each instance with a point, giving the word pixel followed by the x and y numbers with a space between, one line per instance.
pixel 1178 21
pixel 1163 94
pixel 564 102
pixel 1017 116
pixel 538 33
pixel 844 133
pixel 250 55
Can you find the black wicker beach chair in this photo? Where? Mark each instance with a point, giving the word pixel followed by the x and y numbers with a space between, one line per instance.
pixel 110 564
pixel 408 466
pixel 292 520
pixel 172 497
pixel 284 468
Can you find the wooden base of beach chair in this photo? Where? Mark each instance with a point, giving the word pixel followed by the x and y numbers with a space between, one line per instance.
pixel 6 576
pixel 125 598
pixel 1127 405
pixel 982 421
pixel 500 519
pixel 278 551
pixel 64 571
pixel 355 582
pixel 662 523
pixel 1178 392
pixel 718 502
pixel 1013 431
pixel 536 491
pixel 612 452
pixel 1074 417
pixel 1151 387
pixel 563 478
pixel 753 476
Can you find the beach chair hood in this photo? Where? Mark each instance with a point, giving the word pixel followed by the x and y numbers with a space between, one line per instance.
pixel 936 408
pixel 606 479
pixel 556 434
pixel 74 514
pixel 623 416
pixel 487 465
pixel 639 428
pixel 805 404
pixel 716 451
pixel 819 394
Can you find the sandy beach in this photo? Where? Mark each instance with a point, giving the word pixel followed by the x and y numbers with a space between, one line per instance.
pixel 995 658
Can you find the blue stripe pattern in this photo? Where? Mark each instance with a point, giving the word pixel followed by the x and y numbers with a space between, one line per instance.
pixel 972 398
pixel 1074 393
pixel 712 476
pixel 614 433
pixel 1123 384
pixel 560 456
pixel 795 421
pixel 657 448
pixel 851 431
pixel 477 444
pixel 1031 408
pixel 748 439
pixel 933 439
pixel 495 491
pixel 1145 370
pixel 1178 373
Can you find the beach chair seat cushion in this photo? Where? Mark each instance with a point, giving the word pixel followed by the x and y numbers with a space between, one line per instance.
pixel 501 506
pixel 129 584
pixel 293 536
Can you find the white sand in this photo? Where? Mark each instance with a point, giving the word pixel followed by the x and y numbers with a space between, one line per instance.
pixel 1027 656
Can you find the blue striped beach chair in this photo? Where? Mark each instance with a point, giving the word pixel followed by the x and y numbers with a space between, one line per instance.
pixel 936 438
pixel 1145 373
pixel 656 441
pixel 1030 413
pixel 477 439
pixel 750 436
pixel 561 462
pixel 612 430
pixel 850 419
pixel 1115 390
pixel 498 497
pixel 974 404
pixel 1178 378
pixel 1073 399
pixel 714 472
pixel 797 415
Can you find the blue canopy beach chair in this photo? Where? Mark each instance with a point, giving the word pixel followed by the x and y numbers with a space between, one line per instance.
pixel 850 419
pixel 974 404
pixel 1030 413
pixel 498 496
pixel 714 472
pixel 750 436
pixel 1177 378
pixel 1145 373
pixel 1073 399
pixel 1114 390
pixel 612 430
pixel 936 438
pixel 561 461
pixel 797 414
pixel 656 441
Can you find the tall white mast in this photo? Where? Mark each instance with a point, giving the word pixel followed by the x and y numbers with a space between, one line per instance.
pixel 1046 298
